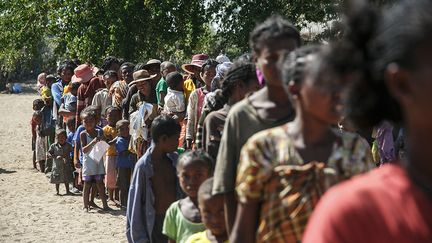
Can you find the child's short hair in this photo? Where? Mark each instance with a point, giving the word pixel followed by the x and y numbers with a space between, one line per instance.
pixel 74 85
pixel 60 131
pixel 121 123
pixel 90 110
pixel 199 156
pixel 174 79
pixel 51 79
pixel 164 125
pixel 71 121
pixel 273 28
pixel 206 188
pixel 111 108
pixel 110 74
pixel 209 63
pixel 38 102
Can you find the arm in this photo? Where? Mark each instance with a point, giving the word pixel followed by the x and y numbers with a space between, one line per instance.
pixel 191 113
pixel 86 148
pixel 56 93
pixel 246 223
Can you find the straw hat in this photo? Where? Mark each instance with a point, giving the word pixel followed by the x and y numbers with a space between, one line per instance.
pixel 152 62
pixel 141 76
pixel 197 62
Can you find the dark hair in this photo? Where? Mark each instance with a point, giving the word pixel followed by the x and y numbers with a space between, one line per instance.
pixel 127 65
pixel 209 63
pixel 111 108
pixel 51 78
pixel 244 72
pixel 108 62
pixel 206 189
pixel 122 123
pixel 377 42
pixel 272 28
pixel 174 79
pixel 110 74
pixel 61 131
pixel 38 102
pixel 199 156
pixel 68 64
pixel 74 85
pixel 139 66
pixel 71 121
pixel 164 125
pixel 91 110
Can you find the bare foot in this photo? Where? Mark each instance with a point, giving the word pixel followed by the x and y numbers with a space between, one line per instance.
pixel 86 209
pixel 69 193
pixel 93 204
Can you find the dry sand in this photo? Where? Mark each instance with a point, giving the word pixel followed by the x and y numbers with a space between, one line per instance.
pixel 29 209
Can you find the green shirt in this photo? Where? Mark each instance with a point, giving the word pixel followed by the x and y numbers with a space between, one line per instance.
pixel 161 86
pixel 177 227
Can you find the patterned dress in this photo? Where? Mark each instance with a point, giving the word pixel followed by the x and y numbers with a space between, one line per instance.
pixel 62 168
pixel 272 172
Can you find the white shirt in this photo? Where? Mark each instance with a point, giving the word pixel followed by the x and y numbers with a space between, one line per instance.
pixel 174 101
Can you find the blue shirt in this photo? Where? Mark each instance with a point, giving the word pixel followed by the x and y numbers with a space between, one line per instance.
pixel 140 214
pixel 57 91
pixel 124 161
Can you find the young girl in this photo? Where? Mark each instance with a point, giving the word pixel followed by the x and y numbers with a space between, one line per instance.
pixel 183 217
pixel 62 163
pixel 113 115
pixel 392 203
pixel 196 100
pixel 298 161
pixel 92 170
pixel 37 106
pixel 40 141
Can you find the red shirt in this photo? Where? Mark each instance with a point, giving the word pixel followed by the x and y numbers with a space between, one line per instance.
pixel 381 206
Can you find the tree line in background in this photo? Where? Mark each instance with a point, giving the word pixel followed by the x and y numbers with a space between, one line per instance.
pixel 36 34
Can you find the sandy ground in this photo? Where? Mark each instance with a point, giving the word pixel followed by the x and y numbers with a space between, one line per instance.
pixel 30 211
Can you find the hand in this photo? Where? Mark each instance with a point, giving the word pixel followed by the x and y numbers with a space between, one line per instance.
pixel 77 165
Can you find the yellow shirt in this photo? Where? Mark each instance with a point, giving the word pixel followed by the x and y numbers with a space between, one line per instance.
pixel 66 89
pixel 200 237
pixel 110 131
pixel 188 88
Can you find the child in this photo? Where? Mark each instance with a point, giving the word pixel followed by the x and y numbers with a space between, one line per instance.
pixel 298 161
pixel 183 217
pixel 62 168
pixel 174 100
pixel 37 106
pixel 40 141
pixel 92 171
pixel 196 100
pixel 154 184
pixel 113 115
pixel 69 102
pixel 266 108
pixel 212 214
pixel 48 122
pixel 125 160
pixel 71 130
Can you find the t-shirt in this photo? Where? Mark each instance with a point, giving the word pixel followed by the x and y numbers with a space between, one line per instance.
pixel 241 123
pixel 200 237
pixel 212 130
pixel 110 131
pixel 102 99
pixel 161 86
pixel 177 227
pixel 188 88
pixel 174 101
pixel 384 205
pixel 272 172
pixel 70 102
pixel 124 161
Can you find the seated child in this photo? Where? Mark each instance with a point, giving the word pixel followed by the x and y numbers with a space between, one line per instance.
pixel 174 100
pixel 40 142
pixel 125 160
pixel 183 217
pixel 113 115
pixel 154 184
pixel 37 106
pixel 212 214
pixel 60 152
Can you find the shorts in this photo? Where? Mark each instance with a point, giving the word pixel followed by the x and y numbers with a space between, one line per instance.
pixel 123 177
pixel 93 178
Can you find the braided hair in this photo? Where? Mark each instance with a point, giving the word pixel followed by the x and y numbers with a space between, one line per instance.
pixel 239 72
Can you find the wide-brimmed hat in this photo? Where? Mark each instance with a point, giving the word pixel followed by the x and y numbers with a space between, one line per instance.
pixel 84 73
pixel 152 62
pixel 141 76
pixel 197 62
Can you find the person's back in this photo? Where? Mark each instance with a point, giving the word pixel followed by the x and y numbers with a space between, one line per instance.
pixel 154 184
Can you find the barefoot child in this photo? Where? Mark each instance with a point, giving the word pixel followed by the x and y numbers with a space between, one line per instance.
pixel 40 141
pixel 92 171
pixel 154 184
pixel 37 106
pixel 212 214
pixel 113 115
pixel 125 160
pixel 183 217
pixel 62 168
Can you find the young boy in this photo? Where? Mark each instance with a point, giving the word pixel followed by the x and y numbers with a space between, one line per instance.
pixel 125 160
pixel 154 186
pixel 212 215
pixel 69 102
pixel 174 100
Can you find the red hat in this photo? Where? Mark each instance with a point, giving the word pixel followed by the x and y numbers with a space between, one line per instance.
pixel 197 61
pixel 83 73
